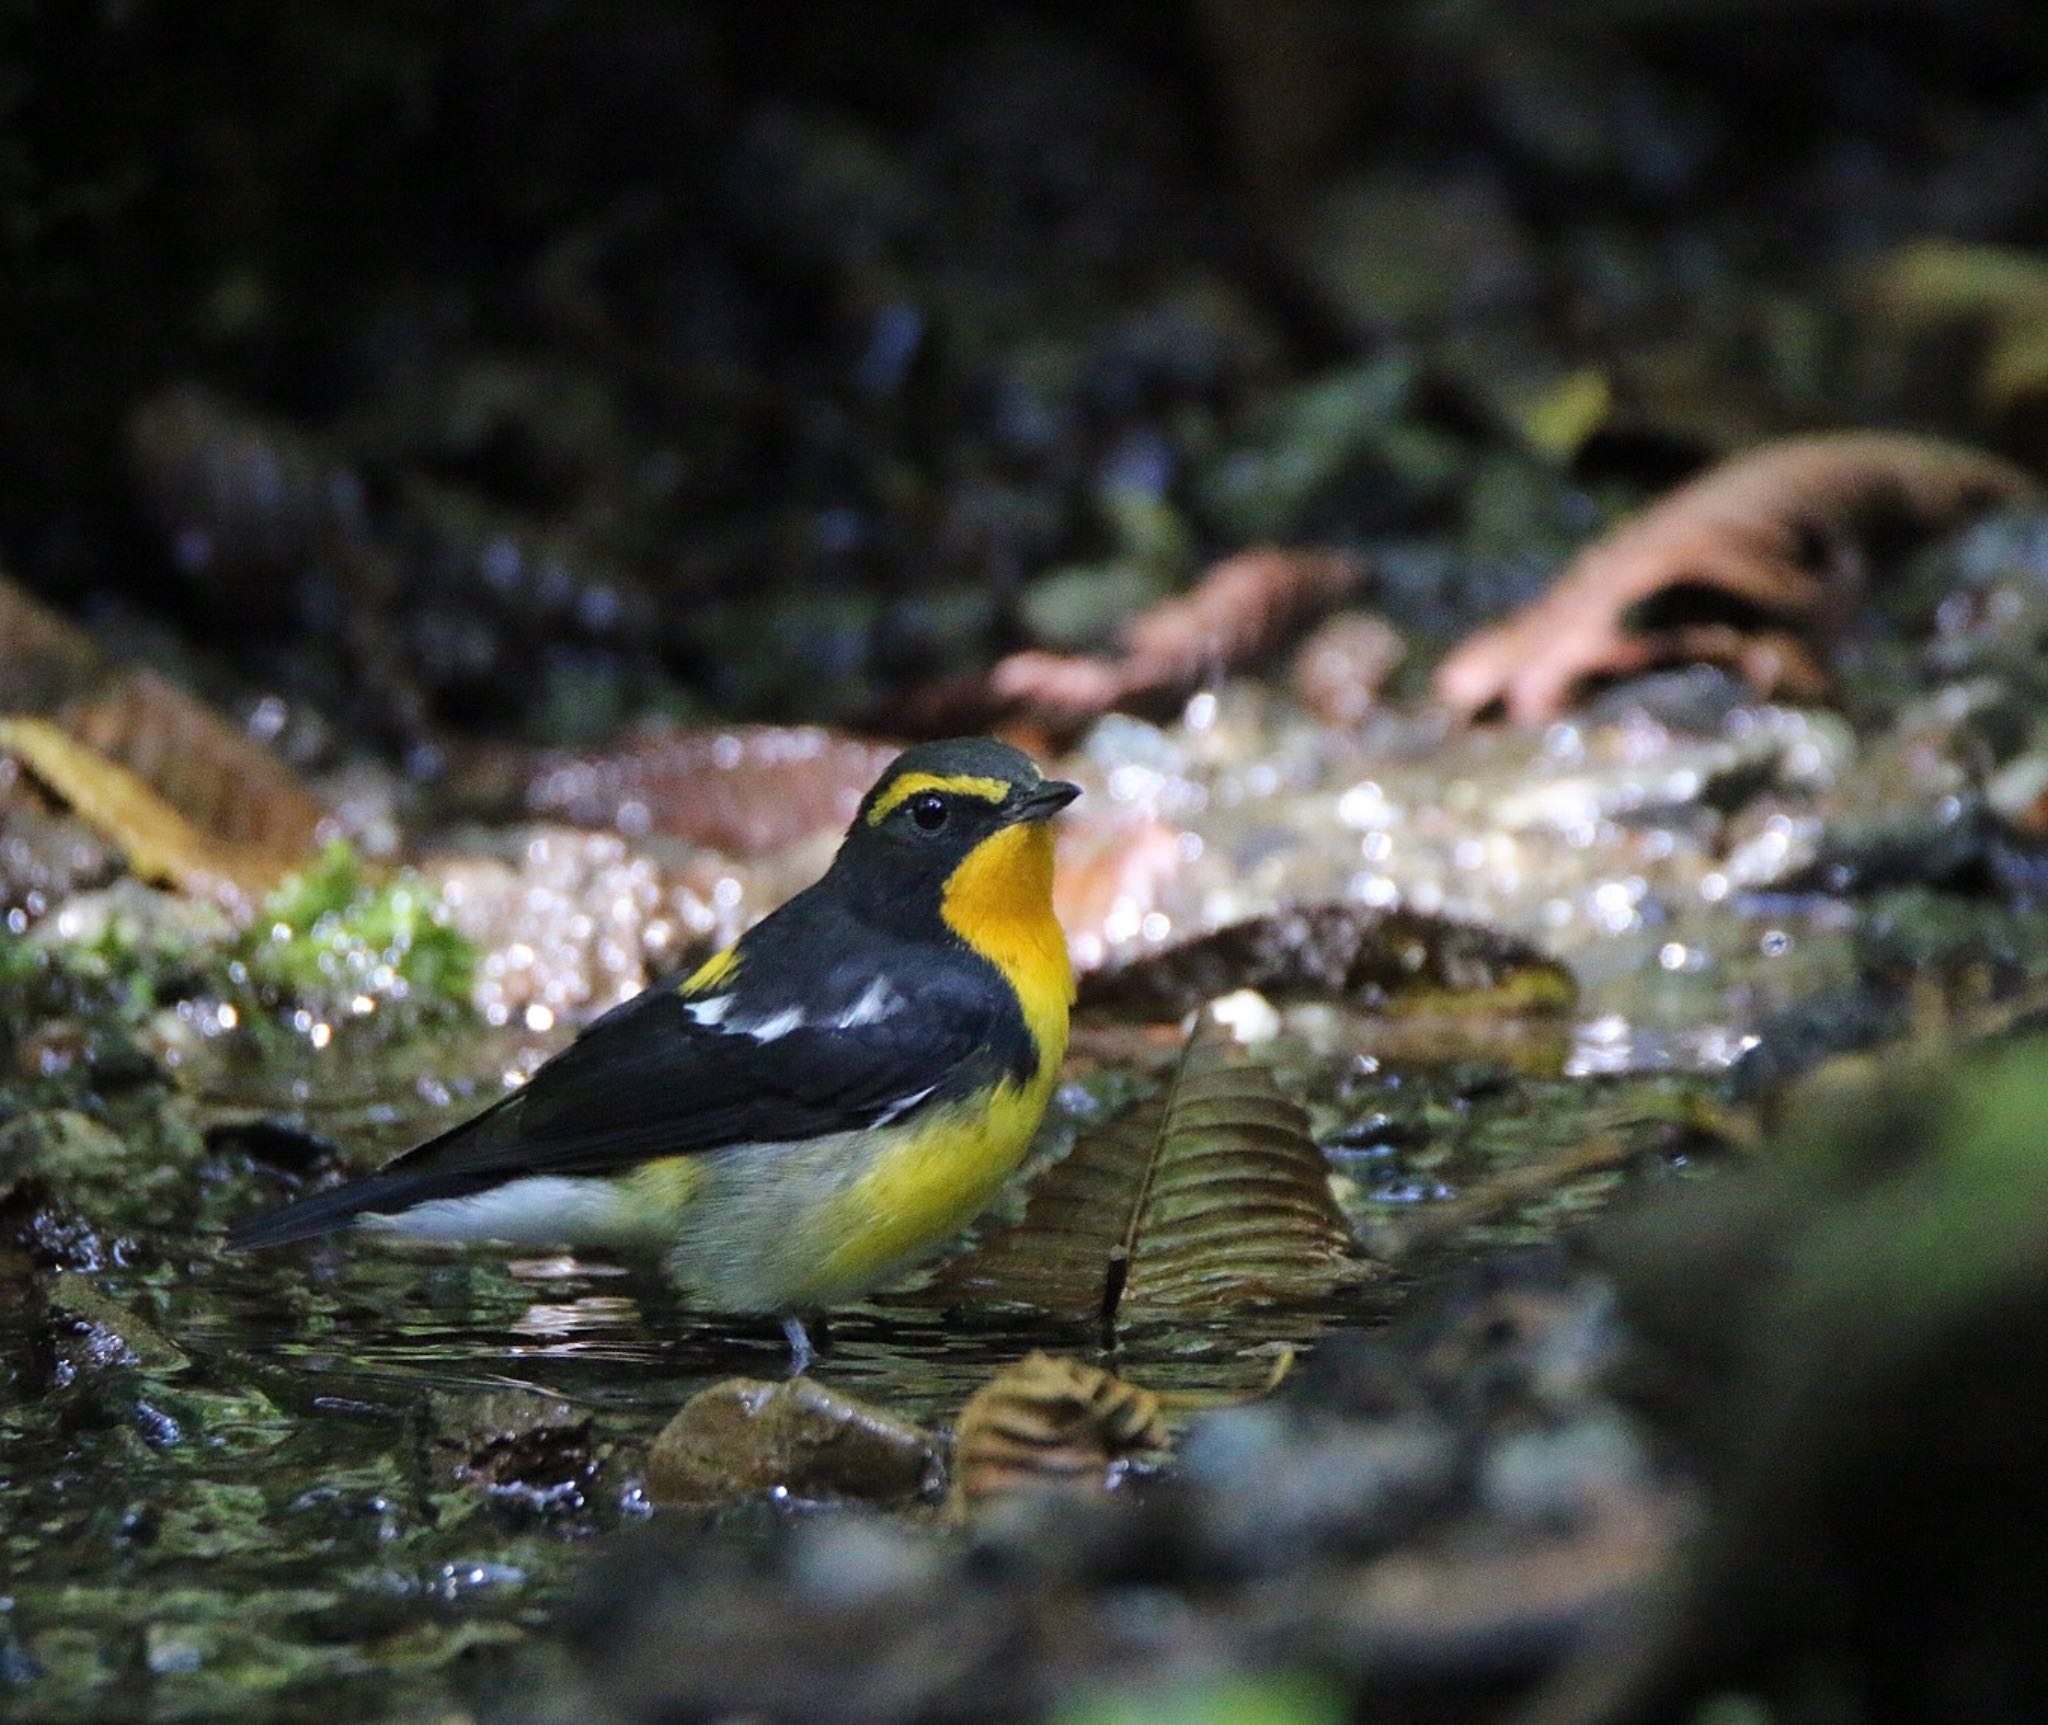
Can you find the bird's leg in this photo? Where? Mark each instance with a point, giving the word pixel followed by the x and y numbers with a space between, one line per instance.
pixel 801 1353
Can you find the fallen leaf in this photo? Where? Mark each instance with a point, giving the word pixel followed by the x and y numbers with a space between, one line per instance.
pixel 159 842
pixel 1210 1192
pixel 208 769
pixel 1755 565
pixel 745 790
pixel 223 817
pixel 1339 670
pixel 1051 1423
pixel 1383 960
pixel 743 1438
pixel 1241 611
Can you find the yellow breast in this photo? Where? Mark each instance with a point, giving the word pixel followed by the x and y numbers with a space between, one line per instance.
pixel 926 1185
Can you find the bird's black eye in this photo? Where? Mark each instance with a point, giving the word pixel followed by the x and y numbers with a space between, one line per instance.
pixel 929 812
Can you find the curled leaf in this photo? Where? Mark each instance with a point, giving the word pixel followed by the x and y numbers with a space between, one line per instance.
pixel 1210 1192
pixel 1049 1422
pixel 1755 565
pixel 746 790
pixel 1243 609
pixel 743 1439
pixel 1383 960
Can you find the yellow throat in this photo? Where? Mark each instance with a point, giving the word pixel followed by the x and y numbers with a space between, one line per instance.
pixel 999 901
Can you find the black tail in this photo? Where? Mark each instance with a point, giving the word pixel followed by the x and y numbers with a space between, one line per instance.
pixel 323 1212
pixel 426 1171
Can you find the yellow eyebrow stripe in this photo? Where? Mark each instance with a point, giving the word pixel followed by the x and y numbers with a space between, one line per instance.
pixel 956 784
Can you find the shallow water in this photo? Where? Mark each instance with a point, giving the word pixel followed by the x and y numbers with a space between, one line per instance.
pixel 264 1491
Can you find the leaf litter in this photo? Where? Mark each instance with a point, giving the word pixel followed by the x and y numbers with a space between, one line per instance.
pixel 1211 1192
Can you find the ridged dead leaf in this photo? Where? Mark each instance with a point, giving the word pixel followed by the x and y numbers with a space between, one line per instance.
pixel 1755 565
pixel 218 777
pixel 221 816
pixel 1210 1192
pixel 743 1439
pixel 1052 1423
pixel 1389 961
pixel 159 842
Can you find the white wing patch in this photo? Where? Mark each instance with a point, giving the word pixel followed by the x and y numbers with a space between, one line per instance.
pixel 768 1029
pixel 879 1002
pixel 715 1011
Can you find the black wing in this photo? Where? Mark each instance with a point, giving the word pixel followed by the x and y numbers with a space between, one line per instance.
pixel 648 1080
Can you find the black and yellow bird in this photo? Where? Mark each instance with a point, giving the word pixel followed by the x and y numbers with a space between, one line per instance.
pixel 811 1109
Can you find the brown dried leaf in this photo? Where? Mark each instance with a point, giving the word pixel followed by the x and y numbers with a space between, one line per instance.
pixel 214 774
pixel 159 842
pixel 1051 1423
pixel 1781 534
pixel 743 1438
pixel 1242 610
pixel 1212 1191
pixel 744 790
pixel 1341 668
pixel 243 818
pixel 1385 960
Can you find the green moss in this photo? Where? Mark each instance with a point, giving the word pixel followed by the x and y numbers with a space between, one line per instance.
pixel 332 930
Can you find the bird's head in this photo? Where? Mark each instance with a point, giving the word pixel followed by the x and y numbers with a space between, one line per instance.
pixel 959 826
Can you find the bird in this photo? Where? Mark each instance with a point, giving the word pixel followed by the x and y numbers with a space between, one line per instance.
pixel 812 1109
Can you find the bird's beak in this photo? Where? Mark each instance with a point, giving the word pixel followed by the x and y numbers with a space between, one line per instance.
pixel 1045 801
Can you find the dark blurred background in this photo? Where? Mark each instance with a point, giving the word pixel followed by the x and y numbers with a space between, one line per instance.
pixel 520 369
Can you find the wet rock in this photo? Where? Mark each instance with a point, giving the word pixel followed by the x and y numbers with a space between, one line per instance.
pixel 680 1627
pixel 70 1156
pixel 1379 960
pixel 94 1332
pixel 51 1236
pixel 801 1440
pixel 1272 1483
pixel 1877 1368
pixel 45 856
pixel 515 1448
